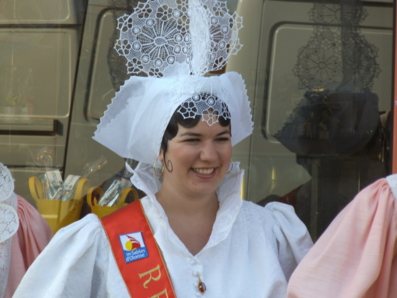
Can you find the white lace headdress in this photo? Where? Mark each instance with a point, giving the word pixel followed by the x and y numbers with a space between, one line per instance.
pixel 9 223
pixel 174 43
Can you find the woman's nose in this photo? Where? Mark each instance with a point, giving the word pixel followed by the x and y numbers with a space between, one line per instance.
pixel 208 151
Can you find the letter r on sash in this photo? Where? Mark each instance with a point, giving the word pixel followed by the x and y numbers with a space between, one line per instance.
pixel 157 268
pixel 161 293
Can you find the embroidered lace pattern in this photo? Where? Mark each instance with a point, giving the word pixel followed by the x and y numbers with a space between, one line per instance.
pixel 8 223
pixel 207 105
pixel 165 38
pixel 203 97
pixel 161 33
pixel 337 53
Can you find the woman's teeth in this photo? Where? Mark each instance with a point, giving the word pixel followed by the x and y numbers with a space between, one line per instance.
pixel 204 171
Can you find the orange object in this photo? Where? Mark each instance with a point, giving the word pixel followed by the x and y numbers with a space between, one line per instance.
pixel 137 254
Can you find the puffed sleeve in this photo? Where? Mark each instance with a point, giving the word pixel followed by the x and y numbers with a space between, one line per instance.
pixel 74 264
pixel 356 255
pixel 293 239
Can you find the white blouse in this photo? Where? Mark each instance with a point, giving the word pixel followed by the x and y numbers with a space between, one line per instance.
pixel 252 252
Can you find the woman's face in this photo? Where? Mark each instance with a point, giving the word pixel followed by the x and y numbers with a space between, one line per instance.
pixel 200 158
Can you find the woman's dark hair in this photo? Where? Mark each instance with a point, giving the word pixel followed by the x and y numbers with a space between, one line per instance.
pixel 177 118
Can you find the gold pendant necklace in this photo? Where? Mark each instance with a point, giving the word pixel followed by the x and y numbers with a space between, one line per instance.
pixel 201 286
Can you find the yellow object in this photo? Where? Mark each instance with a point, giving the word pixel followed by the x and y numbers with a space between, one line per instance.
pixel 102 211
pixel 57 213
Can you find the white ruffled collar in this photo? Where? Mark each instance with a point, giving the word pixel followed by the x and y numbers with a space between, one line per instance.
pixel 228 195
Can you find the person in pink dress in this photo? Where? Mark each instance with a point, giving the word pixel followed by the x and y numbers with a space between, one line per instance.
pixel 32 237
pixel 23 235
pixel 356 255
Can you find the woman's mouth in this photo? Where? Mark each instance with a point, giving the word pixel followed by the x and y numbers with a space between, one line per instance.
pixel 204 171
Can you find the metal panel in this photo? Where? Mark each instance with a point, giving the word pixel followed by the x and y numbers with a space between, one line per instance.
pixel 39 12
pixel 37 72
pixel 36 82
pixel 94 91
pixel 101 90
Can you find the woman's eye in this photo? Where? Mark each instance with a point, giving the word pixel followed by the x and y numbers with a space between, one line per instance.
pixel 223 139
pixel 192 140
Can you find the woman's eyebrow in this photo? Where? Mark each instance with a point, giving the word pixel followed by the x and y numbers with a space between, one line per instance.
pixel 224 132
pixel 191 134
pixel 195 134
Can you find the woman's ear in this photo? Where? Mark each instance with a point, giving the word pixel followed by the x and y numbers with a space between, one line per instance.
pixel 161 155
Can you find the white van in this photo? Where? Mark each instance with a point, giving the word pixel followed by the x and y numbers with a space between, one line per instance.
pixel 59 72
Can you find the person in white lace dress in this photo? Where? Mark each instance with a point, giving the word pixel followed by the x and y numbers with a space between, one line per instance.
pixel 181 127
pixel 9 223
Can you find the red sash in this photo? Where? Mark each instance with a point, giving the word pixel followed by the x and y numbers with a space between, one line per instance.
pixel 137 254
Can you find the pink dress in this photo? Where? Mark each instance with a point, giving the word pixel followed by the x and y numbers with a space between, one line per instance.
pixel 31 238
pixel 356 255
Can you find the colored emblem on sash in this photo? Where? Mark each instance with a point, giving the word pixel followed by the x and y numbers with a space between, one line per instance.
pixel 134 247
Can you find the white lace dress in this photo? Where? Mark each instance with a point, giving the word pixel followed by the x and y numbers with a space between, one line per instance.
pixel 252 251
pixel 9 223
